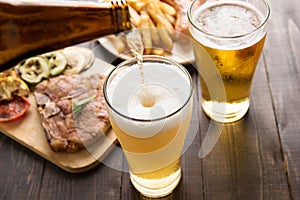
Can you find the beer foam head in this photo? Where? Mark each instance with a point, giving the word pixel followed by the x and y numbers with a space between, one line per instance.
pixel 163 101
pixel 167 86
pixel 227 25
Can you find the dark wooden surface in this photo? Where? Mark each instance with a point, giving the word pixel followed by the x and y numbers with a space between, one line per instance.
pixel 255 158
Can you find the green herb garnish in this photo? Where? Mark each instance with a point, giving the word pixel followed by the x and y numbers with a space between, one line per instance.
pixel 77 107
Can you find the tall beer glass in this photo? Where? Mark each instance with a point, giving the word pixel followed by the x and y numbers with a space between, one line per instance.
pixel 150 107
pixel 233 33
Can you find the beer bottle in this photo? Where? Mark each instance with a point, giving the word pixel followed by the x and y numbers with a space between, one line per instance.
pixel 33 27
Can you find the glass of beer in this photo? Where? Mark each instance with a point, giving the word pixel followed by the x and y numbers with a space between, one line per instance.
pixel 150 107
pixel 232 33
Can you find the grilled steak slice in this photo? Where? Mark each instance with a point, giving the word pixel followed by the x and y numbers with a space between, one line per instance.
pixel 72 111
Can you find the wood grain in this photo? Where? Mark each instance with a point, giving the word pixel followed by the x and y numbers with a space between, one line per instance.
pixel 282 61
pixel 20 171
pixel 255 158
pixel 101 182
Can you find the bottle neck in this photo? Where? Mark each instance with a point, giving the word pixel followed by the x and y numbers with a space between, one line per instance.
pixel 121 16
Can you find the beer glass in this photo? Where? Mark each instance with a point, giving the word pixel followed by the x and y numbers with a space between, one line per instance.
pixel 150 107
pixel 233 33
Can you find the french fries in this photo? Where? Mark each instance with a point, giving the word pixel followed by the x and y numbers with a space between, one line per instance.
pixel 135 17
pixel 166 8
pixel 166 38
pixel 156 19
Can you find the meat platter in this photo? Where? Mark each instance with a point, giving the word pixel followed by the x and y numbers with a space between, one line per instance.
pixel 29 132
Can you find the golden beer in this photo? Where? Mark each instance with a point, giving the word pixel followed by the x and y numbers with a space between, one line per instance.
pixel 233 35
pixel 152 135
pixel 154 161
pixel 237 68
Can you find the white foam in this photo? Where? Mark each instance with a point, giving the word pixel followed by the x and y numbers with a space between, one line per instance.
pixel 227 19
pixel 166 102
pixel 169 87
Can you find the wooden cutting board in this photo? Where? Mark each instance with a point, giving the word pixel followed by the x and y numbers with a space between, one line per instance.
pixel 29 132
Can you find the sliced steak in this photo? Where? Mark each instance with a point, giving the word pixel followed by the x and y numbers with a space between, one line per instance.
pixel 72 111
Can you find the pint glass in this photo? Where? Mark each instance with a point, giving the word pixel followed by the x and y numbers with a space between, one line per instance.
pixel 150 119
pixel 233 33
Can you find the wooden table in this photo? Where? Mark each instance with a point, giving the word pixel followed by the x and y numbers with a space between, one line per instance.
pixel 255 158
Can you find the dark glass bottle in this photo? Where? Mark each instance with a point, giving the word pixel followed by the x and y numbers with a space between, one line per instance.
pixel 28 28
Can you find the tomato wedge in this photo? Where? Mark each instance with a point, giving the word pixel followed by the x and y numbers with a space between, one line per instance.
pixel 13 109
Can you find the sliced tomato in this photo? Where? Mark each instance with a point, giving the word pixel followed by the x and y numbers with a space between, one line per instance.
pixel 13 109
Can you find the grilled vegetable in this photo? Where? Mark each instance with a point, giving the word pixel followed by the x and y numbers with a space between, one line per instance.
pixel 57 62
pixel 34 69
pixel 13 109
pixel 11 86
